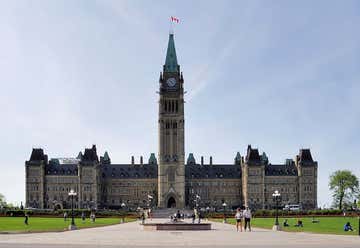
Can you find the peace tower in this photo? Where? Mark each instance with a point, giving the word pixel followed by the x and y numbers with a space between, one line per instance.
pixel 171 177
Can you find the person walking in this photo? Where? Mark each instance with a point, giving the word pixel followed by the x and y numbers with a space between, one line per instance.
pixel 65 216
pixel 193 218
pixel 142 217
pixel 149 213
pixel 26 219
pixel 83 217
pixel 194 215
pixel 92 217
pixel 238 218
pixel 247 217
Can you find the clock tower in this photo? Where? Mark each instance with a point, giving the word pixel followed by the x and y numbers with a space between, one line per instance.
pixel 171 171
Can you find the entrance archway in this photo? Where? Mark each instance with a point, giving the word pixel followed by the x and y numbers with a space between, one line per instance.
pixel 171 203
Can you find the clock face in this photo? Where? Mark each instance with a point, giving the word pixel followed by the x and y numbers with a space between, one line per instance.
pixel 171 82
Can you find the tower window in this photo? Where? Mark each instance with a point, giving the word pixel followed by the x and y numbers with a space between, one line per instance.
pixel 177 106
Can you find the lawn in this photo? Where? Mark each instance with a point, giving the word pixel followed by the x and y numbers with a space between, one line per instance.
pixel 326 225
pixel 38 224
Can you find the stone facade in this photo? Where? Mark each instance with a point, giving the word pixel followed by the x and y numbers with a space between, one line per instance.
pixel 169 181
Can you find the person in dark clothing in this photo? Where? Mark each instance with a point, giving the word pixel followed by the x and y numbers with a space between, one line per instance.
pixel 193 216
pixel 285 224
pixel 348 227
pixel 247 217
pixel 83 217
pixel 299 223
pixel 142 218
pixel 26 219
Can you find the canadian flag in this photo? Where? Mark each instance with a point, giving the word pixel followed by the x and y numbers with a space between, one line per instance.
pixel 174 19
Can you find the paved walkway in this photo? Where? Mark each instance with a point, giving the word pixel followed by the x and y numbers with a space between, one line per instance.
pixel 132 235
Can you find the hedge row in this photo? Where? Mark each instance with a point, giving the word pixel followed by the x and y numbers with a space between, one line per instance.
pixel 77 213
pixel 264 213
pixel 272 213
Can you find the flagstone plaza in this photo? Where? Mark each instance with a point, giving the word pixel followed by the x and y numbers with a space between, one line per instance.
pixel 132 235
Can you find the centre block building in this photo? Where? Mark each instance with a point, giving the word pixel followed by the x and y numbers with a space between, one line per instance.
pixel 169 180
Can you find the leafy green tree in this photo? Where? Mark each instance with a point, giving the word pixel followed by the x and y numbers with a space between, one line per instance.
pixel 2 201
pixel 344 185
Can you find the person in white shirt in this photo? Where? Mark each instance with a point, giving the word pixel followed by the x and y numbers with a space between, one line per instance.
pixel 238 218
pixel 247 217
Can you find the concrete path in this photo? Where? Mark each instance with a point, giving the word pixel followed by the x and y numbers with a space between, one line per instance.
pixel 132 235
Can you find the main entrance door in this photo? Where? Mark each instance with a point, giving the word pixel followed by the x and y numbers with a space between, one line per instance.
pixel 171 203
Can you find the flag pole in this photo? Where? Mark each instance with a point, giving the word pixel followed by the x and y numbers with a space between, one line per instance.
pixel 171 30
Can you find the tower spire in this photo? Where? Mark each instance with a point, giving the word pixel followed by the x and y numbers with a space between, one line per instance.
pixel 171 64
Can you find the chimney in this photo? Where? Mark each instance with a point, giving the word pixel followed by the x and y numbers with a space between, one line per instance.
pixel 132 160
pixel 210 160
pixel 202 160
pixel 141 160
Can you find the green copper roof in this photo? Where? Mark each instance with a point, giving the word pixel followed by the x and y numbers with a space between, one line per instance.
pixel 264 158
pixel 106 156
pixel 171 64
pixel 152 159
pixel 191 159
pixel 80 155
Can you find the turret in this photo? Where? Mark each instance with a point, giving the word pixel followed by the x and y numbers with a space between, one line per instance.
pixel 35 168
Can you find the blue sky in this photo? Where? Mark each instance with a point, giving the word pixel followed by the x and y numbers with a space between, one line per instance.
pixel 280 75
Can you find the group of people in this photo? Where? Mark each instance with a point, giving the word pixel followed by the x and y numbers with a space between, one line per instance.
pixel 145 214
pixel 243 215
pixel 177 216
pixel 196 215
pixel 299 223
pixel 83 216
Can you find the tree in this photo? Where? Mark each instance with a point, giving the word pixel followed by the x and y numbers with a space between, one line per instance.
pixel 2 201
pixel 344 185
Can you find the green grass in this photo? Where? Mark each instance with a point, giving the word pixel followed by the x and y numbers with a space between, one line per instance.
pixel 40 224
pixel 327 225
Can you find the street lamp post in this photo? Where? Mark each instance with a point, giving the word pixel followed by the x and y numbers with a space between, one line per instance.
pixel 150 198
pixel 123 206
pixel 197 200
pixel 277 197
pixel 207 213
pixel 72 226
pixel 224 205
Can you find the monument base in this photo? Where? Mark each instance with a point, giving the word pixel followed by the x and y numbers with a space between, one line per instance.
pixel 276 228
pixel 72 227
pixel 176 227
